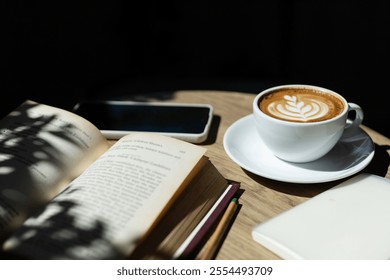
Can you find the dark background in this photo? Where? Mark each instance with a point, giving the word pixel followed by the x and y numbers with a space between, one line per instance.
pixel 58 53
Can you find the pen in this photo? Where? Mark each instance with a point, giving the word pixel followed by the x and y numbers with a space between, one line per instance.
pixel 216 237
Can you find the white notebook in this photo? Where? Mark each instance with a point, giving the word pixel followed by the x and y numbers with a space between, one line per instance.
pixel 349 221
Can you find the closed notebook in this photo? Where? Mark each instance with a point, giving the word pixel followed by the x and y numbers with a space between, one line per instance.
pixel 348 221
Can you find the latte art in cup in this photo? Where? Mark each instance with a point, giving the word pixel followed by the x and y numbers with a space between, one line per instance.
pixel 302 123
pixel 301 105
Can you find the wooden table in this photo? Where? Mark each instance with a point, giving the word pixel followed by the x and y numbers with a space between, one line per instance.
pixel 261 198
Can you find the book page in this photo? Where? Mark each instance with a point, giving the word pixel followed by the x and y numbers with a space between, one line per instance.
pixel 42 149
pixel 116 201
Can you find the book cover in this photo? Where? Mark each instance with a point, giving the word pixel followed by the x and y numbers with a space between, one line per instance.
pixel 348 221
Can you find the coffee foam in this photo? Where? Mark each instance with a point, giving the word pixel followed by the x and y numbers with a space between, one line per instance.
pixel 301 105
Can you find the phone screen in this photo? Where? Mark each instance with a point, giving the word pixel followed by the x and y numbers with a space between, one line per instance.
pixel 145 117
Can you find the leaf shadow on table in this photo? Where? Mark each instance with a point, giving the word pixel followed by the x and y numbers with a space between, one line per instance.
pixel 378 166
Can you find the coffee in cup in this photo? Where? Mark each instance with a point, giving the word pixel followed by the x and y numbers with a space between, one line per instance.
pixel 301 123
pixel 301 105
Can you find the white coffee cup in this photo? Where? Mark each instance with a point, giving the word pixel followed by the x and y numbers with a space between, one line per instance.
pixel 299 126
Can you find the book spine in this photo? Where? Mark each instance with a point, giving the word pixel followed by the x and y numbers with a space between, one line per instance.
pixel 188 247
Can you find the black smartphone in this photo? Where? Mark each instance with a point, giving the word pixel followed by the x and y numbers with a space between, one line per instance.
pixel 189 122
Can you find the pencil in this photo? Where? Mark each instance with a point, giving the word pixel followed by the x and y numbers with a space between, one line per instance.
pixel 216 237
pixel 196 237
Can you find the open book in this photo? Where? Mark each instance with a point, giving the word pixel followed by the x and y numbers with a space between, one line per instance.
pixel 66 193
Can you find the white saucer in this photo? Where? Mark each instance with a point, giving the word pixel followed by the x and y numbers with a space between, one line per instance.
pixel 350 155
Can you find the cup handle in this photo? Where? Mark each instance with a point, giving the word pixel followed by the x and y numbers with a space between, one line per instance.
pixel 358 117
